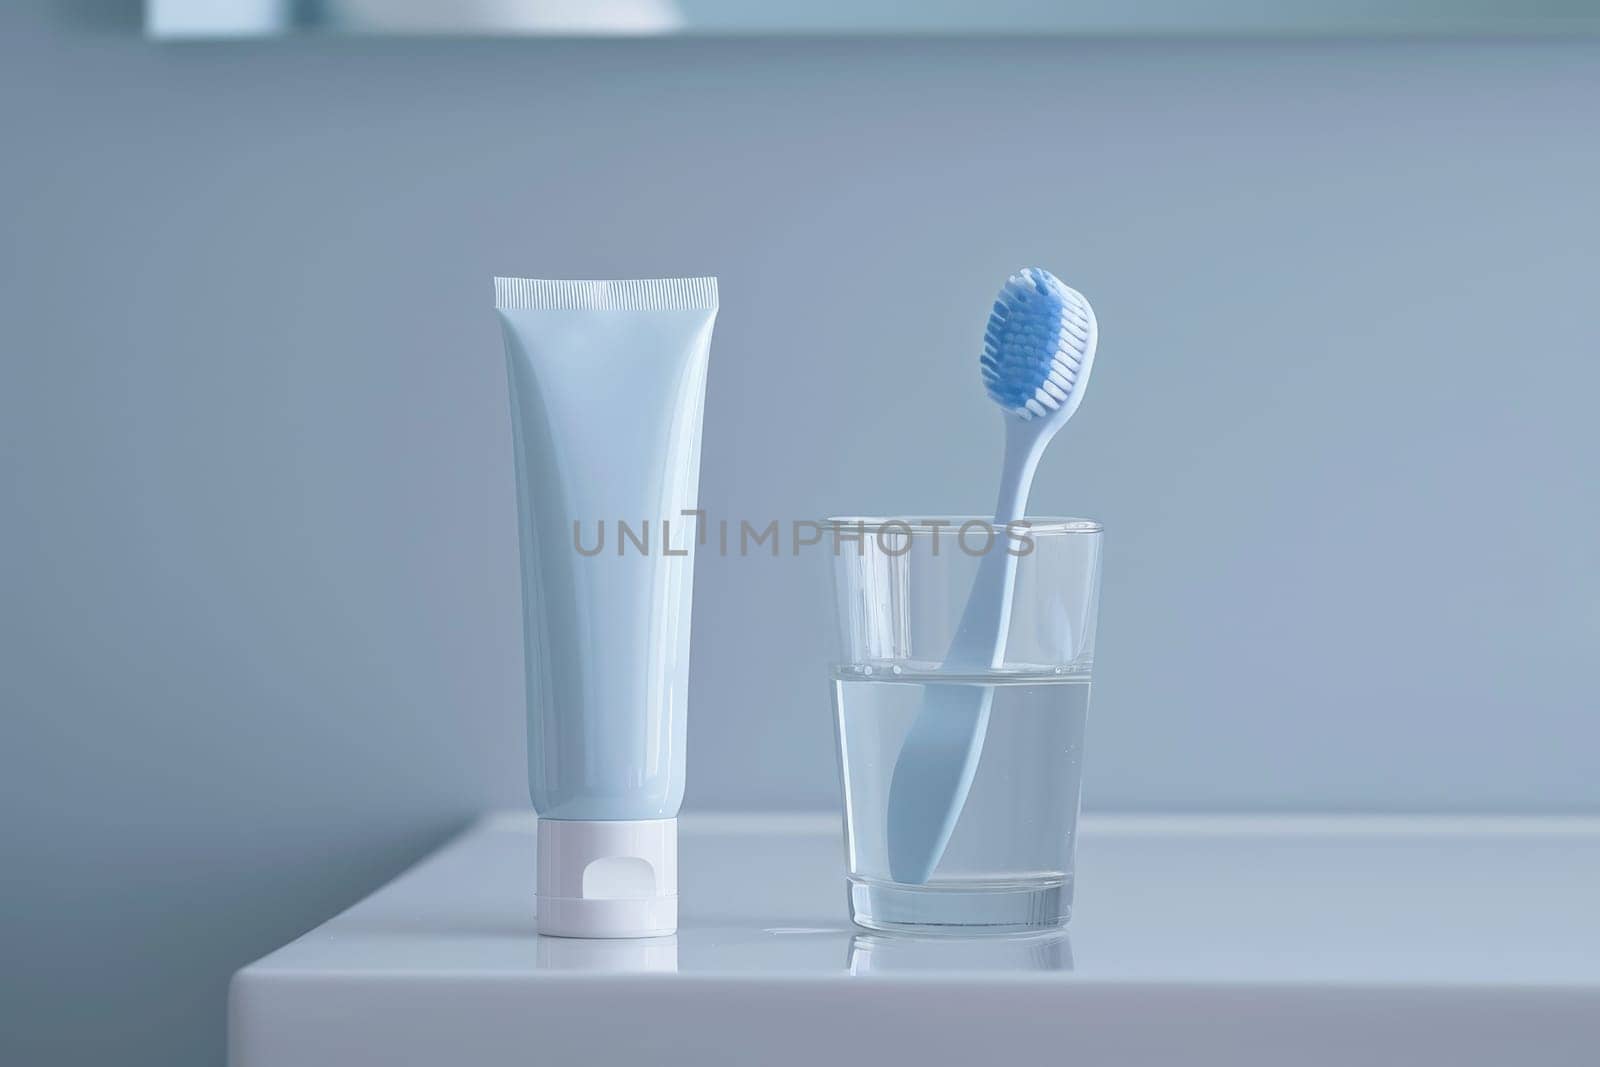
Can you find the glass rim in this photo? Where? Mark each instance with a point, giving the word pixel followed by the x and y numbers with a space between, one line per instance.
pixel 1036 525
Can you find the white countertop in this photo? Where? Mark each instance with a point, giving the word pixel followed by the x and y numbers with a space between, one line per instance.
pixel 1194 941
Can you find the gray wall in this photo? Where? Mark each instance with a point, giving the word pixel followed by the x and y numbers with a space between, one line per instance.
pixel 258 629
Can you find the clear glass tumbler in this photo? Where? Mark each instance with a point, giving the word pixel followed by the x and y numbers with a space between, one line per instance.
pixel 960 730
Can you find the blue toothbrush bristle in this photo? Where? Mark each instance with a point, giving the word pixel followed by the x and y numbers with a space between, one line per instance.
pixel 1034 344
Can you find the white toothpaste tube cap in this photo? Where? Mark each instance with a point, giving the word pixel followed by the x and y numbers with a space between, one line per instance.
pixel 608 879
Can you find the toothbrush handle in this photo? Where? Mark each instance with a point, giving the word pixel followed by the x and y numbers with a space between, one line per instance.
pixel 939 756
pixel 980 638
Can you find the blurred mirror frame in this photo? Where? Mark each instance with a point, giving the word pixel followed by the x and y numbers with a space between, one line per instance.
pixel 221 19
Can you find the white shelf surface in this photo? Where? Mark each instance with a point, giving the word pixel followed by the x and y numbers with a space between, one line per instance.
pixel 1242 941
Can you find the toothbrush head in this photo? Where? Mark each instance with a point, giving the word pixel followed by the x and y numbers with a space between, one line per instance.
pixel 1038 347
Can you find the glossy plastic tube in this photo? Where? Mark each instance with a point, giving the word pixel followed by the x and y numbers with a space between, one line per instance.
pixel 607 383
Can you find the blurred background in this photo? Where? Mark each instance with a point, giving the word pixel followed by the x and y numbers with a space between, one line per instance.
pixel 259 630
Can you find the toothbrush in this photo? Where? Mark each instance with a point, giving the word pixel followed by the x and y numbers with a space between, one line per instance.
pixel 1037 352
